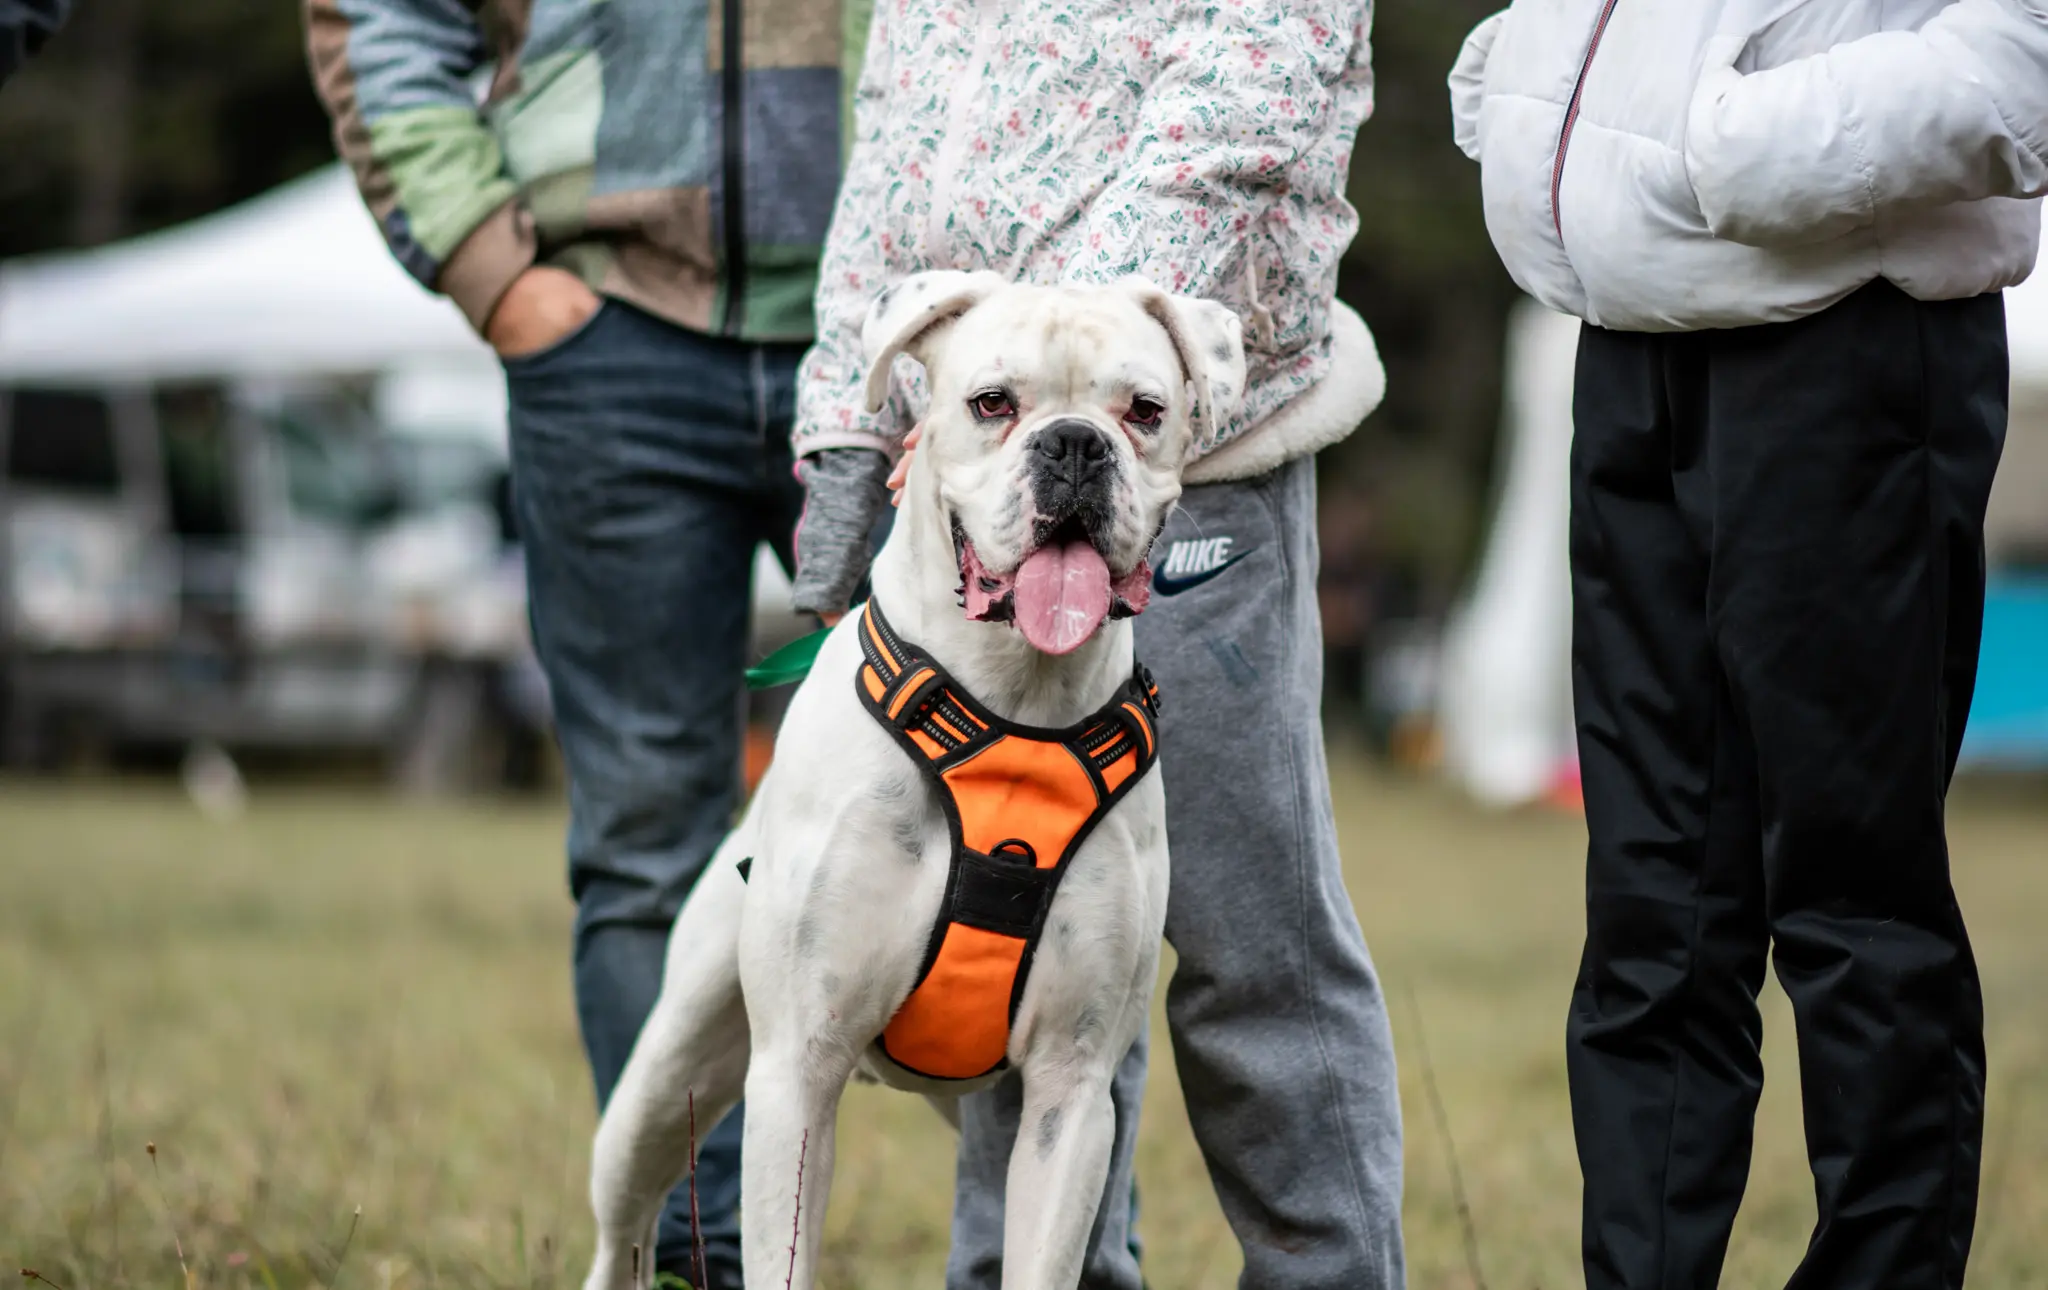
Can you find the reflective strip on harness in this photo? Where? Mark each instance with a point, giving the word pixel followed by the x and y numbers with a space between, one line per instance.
pixel 1019 802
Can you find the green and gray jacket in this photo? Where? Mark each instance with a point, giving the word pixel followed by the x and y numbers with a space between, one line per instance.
pixel 613 138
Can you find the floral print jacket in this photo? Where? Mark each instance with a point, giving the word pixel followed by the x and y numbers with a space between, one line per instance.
pixel 1201 143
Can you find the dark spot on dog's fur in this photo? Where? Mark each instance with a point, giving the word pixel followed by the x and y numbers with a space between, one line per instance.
pixel 805 935
pixel 1088 1024
pixel 1090 876
pixel 908 835
pixel 1048 1132
pixel 1223 349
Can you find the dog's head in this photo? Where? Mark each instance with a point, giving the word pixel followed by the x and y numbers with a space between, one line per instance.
pixel 1060 419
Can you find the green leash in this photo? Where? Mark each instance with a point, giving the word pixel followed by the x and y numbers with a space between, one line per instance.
pixel 788 665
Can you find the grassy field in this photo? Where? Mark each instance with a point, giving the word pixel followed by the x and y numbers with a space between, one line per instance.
pixel 341 1002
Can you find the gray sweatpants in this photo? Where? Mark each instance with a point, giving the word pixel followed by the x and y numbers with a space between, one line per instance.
pixel 1279 1028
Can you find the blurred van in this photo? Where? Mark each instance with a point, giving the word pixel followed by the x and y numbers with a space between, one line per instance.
pixel 256 567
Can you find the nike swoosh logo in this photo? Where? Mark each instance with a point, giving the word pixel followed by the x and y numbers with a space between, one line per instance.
pixel 1171 586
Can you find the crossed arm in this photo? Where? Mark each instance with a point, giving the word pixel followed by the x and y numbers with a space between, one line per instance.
pixel 1956 111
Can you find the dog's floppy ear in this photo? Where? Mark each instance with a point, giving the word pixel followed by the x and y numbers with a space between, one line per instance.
pixel 1210 340
pixel 905 312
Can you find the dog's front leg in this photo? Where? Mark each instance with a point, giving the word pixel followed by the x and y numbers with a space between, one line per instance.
pixel 1058 1168
pixel 793 1096
pixel 684 1075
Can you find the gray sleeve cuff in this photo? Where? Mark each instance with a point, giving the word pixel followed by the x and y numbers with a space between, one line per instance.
pixel 845 490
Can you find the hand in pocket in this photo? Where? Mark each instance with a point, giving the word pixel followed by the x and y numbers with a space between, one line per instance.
pixel 542 307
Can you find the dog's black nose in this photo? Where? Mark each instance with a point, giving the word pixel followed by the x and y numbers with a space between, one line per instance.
pixel 1072 451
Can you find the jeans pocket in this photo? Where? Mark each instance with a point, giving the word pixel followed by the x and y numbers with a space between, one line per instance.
pixel 569 342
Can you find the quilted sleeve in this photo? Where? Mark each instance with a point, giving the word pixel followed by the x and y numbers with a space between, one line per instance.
pixel 830 409
pixel 1241 147
pixel 1956 111
pixel 395 76
pixel 1468 83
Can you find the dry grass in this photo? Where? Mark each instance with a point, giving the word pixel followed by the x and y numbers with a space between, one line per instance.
pixel 340 1001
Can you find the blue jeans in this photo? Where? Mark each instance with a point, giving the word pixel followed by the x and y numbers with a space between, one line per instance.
pixel 648 463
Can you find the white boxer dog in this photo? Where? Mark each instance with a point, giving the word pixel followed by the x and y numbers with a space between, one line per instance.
pixel 1059 422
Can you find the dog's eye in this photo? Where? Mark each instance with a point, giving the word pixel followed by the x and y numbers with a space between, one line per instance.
pixel 993 405
pixel 1145 412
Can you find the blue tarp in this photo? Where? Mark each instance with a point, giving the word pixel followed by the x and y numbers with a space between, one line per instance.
pixel 2009 718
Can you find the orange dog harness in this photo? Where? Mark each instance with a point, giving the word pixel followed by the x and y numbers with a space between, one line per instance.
pixel 1019 801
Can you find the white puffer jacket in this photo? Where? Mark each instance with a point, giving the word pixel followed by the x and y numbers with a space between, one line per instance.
pixel 1675 165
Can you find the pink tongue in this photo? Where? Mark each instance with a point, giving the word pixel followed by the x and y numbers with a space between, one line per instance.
pixel 1062 596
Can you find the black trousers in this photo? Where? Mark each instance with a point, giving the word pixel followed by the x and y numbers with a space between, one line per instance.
pixel 1778 583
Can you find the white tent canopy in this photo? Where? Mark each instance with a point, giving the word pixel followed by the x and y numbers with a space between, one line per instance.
pixel 1506 701
pixel 296 282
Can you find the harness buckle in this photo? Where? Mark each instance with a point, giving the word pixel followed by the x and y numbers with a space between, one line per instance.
pixel 914 706
pixel 1148 690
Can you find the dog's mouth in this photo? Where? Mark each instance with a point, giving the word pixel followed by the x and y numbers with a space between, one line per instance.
pixel 1059 595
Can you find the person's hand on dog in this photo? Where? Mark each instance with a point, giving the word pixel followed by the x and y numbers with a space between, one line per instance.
pixel 541 307
pixel 899 474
